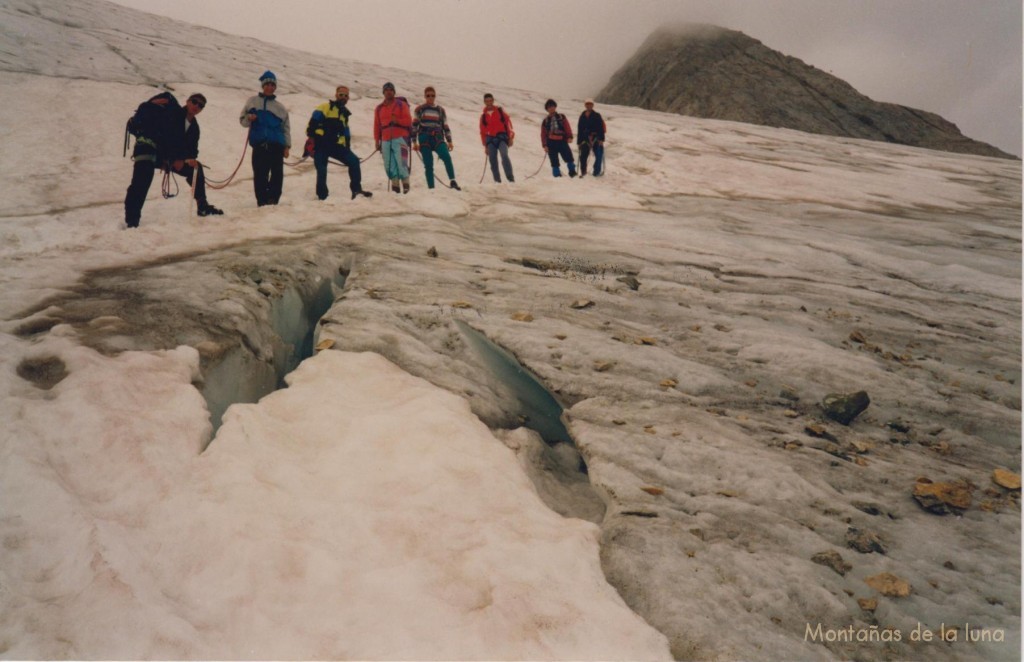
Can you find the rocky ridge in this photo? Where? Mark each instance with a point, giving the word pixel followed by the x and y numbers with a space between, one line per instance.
pixel 716 73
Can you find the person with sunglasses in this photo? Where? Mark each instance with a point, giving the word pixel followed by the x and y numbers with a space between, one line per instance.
pixel 185 162
pixel 270 136
pixel 332 138
pixel 167 135
pixel 430 134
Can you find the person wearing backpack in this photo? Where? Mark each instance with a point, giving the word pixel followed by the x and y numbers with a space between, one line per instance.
pixel 270 136
pixel 497 136
pixel 332 138
pixel 431 134
pixel 392 131
pixel 555 136
pixel 166 135
pixel 590 136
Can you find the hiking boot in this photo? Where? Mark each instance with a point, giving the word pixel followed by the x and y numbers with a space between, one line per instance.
pixel 395 187
pixel 572 170
pixel 556 171
pixel 366 194
pixel 455 185
pixel 405 186
pixel 209 210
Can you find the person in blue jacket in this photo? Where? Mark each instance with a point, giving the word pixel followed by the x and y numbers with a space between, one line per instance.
pixel 270 136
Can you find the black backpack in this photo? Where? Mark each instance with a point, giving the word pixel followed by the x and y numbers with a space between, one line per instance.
pixel 150 123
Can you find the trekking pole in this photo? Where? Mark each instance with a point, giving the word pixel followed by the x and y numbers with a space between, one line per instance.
pixel 484 171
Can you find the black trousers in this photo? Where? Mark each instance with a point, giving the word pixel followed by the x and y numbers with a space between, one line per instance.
pixel 560 147
pixel 142 179
pixel 187 171
pixel 267 173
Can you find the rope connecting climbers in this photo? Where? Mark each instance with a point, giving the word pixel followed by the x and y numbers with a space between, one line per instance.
pixel 437 178
pixel 296 164
pixel 542 160
pixel 222 183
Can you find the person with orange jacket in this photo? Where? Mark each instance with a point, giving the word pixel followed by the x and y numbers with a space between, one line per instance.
pixel 497 135
pixel 392 133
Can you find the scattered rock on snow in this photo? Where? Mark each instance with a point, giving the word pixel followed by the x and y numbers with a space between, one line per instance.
pixel 889 585
pixel 539 265
pixel 432 252
pixel 865 542
pixel 868 604
pixel 898 426
pixel 789 393
pixel 45 372
pixel 326 343
pixel 843 408
pixel 581 304
pixel 1007 479
pixel 819 431
pixel 942 498
pixel 522 316
pixel 832 560
pixel 630 282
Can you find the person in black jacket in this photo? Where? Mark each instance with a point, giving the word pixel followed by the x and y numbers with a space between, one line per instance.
pixel 167 136
pixel 590 136
pixel 183 158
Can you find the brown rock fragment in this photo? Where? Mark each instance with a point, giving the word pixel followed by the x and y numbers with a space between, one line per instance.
pixel 889 585
pixel 832 560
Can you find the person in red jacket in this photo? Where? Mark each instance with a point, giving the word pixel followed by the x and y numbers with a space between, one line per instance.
pixel 392 132
pixel 497 135
pixel 556 138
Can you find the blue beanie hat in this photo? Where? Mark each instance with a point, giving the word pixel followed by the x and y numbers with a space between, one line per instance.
pixel 268 76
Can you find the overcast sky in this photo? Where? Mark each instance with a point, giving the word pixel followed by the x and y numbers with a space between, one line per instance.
pixel 958 58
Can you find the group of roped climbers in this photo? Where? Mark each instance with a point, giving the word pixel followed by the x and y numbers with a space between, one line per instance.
pixel 167 135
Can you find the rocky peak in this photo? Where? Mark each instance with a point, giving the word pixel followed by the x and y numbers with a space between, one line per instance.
pixel 712 72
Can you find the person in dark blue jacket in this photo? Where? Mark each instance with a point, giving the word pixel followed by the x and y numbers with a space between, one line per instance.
pixel 185 153
pixel 167 136
pixel 270 135
pixel 590 136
